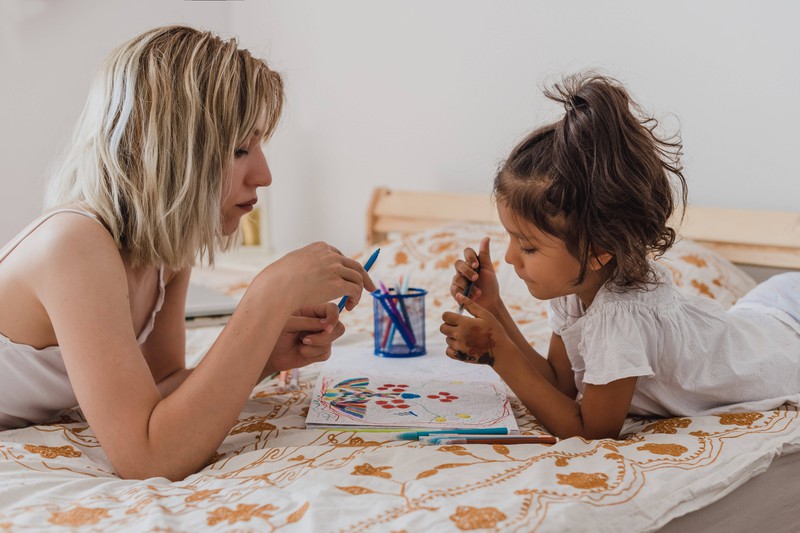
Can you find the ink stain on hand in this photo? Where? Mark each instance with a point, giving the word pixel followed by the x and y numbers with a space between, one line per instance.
pixel 480 346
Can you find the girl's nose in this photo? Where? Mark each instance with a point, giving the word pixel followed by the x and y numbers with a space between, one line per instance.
pixel 510 256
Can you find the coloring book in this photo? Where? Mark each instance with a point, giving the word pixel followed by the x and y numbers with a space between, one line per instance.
pixel 432 391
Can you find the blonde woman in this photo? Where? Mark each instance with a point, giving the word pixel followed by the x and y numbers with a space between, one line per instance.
pixel 165 161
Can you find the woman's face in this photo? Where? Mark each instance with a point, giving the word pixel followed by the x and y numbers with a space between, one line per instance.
pixel 248 172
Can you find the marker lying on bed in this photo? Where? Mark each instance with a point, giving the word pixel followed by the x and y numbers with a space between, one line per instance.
pixel 467 290
pixel 415 435
pixel 444 440
pixel 367 266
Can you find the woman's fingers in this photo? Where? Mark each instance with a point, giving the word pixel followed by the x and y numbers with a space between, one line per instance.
pixel 325 338
pixel 366 281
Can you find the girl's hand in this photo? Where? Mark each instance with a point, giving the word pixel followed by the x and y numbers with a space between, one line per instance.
pixel 318 273
pixel 306 338
pixel 485 289
pixel 476 339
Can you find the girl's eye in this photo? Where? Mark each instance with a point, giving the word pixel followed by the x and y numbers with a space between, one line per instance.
pixel 527 250
pixel 241 152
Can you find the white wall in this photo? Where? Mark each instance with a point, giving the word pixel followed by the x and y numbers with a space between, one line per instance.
pixel 432 95
pixel 49 51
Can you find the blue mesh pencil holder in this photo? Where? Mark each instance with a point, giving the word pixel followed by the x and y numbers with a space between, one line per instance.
pixel 399 323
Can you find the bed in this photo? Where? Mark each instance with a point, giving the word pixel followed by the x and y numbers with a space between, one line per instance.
pixel 727 472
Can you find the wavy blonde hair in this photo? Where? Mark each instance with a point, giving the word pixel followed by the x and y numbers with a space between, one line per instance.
pixel 157 137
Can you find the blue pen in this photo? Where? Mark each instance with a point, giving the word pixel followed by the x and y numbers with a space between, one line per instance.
pixel 415 435
pixel 367 266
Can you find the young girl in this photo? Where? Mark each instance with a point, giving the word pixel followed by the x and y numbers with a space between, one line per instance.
pixel 586 202
pixel 165 161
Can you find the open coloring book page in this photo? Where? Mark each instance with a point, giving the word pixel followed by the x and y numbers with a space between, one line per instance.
pixel 430 391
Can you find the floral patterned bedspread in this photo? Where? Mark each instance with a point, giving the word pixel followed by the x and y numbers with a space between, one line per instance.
pixel 272 473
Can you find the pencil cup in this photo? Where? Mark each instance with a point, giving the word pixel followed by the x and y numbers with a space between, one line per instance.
pixel 399 323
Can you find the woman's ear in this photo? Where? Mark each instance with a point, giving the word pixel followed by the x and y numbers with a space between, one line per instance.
pixel 598 261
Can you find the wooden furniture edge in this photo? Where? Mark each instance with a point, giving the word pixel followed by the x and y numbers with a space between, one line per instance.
pixel 751 237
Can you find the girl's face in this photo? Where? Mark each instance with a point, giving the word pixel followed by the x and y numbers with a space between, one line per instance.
pixel 540 259
pixel 248 172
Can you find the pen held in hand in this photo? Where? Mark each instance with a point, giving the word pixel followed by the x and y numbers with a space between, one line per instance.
pixel 367 266
pixel 467 290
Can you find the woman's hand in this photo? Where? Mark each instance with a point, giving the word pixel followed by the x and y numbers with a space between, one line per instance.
pixel 475 339
pixel 306 338
pixel 318 273
pixel 485 289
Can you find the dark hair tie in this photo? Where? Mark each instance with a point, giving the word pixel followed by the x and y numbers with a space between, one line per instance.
pixel 573 102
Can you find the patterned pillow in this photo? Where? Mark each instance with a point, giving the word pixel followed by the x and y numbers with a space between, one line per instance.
pixel 428 257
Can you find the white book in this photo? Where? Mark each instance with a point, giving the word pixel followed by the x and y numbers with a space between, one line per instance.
pixel 356 389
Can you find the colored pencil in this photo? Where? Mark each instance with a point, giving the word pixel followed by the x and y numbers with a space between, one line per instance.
pixel 415 435
pixel 294 379
pixel 491 439
pixel 282 381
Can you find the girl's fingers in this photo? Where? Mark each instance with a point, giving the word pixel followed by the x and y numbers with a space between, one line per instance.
pixel 447 330
pixel 467 270
pixel 471 257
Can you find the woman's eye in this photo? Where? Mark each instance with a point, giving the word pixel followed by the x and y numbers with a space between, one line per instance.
pixel 241 152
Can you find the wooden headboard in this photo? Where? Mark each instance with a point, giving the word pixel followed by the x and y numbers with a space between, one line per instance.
pixel 760 238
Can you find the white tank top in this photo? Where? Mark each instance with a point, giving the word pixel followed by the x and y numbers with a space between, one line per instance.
pixel 34 385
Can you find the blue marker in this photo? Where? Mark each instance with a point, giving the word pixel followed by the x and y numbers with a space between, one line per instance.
pixel 367 266
pixel 415 435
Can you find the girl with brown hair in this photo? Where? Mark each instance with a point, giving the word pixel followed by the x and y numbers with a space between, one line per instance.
pixel 587 202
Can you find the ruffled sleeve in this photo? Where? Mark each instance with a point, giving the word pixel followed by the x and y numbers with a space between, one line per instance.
pixel 562 312
pixel 620 340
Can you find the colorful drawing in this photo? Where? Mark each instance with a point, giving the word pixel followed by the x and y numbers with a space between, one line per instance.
pixel 381 401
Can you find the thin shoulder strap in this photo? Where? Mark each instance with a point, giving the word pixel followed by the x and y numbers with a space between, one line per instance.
pixel 38 222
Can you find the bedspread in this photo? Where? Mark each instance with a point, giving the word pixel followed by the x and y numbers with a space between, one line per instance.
pixel 272 473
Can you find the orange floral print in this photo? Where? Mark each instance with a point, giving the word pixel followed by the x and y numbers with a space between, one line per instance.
pixel 79 516
pixel 468 518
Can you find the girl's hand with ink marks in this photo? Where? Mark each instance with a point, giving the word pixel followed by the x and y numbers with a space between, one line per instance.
pixel 485 289
pixel 306 338
pixel 475 339
pixel 318 273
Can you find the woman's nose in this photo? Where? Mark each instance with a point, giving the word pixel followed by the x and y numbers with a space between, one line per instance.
pixel 261 175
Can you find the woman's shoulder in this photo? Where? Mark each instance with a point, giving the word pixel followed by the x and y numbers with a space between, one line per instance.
pixel 65 235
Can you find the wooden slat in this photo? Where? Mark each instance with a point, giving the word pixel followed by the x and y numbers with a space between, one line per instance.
pixel 407 211
pixel 763 238
pixel 740 226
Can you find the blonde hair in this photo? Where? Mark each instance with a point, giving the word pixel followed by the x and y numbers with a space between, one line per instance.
pixel 157 137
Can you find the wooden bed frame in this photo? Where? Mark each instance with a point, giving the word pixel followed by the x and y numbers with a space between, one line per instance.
pixel 747 237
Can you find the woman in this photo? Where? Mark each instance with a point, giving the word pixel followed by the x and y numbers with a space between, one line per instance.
pixel 165 161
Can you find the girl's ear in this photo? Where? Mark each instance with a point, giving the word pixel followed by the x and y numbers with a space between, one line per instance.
pixel 598 261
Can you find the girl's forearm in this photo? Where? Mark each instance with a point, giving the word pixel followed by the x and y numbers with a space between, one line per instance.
pixel 558 413
pixel 533 357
